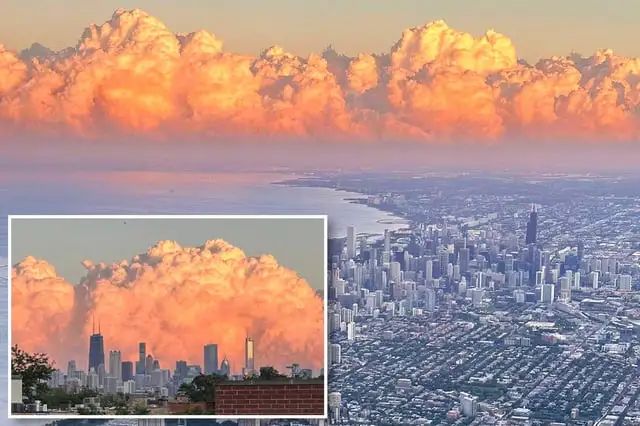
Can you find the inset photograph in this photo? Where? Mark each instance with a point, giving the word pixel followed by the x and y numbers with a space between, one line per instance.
pixel 167 316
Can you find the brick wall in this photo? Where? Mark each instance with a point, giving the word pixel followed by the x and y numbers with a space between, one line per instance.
pixel 278 398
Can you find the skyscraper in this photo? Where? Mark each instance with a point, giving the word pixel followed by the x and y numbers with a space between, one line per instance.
pixel 211 358
pixel 225 368
pixel 351 242
pixel 148 365
pixel 463 259
pixel 142 355
pixel 71 369
pixel 387 241
pixel 547 293
pixel 181 371
pixel 96 350
pixel 115 365
pixel 532 227
pixel 428 270
pixel 248 355
pixel 127 371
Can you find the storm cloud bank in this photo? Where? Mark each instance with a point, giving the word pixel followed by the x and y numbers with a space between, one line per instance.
pixel 176 299
pixel 133 76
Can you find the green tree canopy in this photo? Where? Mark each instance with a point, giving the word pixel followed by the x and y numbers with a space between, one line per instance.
pixel 34 370
pixel 270 373
pixel 140 410
pixel 201 389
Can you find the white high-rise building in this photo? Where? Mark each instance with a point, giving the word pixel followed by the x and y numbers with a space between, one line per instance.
pixel 429 270
pixel 576 281
pixel 394 272
pixel 430 299
pixel 115 365
pixel 351 242
pixel 358 276
pixel 519 295
pixel 547 293
pixel 595 280
pixel 565 289
pixel 469 404
pixel 334 399
pixel 462 286
pixel 335 353
pixel 456 272
pixel 624 282
pixel 351 331
pixel 569 275
pixel 477 294
pixel 129 386
pixel 92 379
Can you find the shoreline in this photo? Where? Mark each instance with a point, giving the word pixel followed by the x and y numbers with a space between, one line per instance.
pixel 394 219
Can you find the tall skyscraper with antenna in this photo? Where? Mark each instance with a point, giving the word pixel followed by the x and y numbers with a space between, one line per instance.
pixel 96 348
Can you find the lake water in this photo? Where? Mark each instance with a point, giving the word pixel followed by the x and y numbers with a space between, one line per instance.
pixel 134 192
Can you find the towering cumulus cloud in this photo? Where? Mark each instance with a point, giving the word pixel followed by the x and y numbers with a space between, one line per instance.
pixel 133 76
pixel 41 307
pixel 176 299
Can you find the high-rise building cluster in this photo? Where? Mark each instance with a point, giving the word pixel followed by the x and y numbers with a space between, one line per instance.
pixel 146 375
pixel 459 275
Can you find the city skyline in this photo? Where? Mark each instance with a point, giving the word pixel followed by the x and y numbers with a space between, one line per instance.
pixel 210 364
pixel 502 301
pixel 165 388
pixel 165 294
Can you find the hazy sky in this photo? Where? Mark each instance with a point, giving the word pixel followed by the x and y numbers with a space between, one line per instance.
pixel 538 29
pixel 295 243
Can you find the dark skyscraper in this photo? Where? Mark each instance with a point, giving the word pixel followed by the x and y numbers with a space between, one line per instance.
pixel 127 371
pixel 210 358
pixel 463 259
pixel 181 370
pixel 532 227
pixel 148 365
pixel 96 350
pixel 142 356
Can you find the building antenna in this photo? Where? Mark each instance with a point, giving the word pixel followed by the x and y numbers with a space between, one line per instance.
pixel 93 326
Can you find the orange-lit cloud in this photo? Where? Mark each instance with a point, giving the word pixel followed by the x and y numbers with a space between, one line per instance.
pixel 42 306
pixel 176 299
pixel 133 76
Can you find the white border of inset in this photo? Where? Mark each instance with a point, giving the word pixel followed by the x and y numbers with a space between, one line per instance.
pixel 169 416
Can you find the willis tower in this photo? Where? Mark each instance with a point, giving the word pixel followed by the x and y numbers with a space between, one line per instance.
pixel 532 226
pixel 96 350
